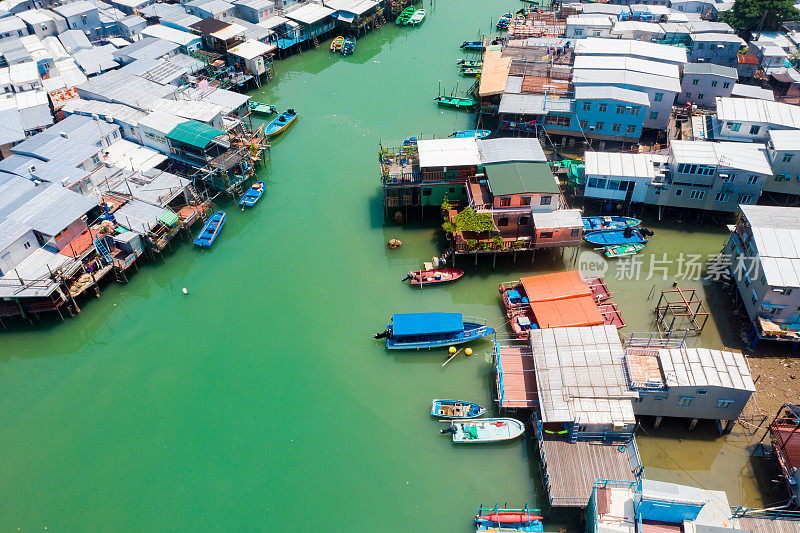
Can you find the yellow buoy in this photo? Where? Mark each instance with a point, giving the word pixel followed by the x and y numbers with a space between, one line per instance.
pixel 452 349
pixel 468 351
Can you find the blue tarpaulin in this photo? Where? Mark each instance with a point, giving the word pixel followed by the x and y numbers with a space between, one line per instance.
pixel 426 323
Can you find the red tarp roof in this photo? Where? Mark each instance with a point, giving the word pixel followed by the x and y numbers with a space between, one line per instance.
pixel 556 286
pixel 571 312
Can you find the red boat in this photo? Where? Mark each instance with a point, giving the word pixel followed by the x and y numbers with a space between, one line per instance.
pixel 509 517
pixel 431 277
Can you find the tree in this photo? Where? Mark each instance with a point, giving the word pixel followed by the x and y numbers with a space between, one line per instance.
pixel 470 221
pixel 756 15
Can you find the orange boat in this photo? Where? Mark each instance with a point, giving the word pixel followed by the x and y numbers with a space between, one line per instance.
pixel 419 278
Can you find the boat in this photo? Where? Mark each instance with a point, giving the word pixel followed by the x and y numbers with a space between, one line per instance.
pixel 510 520
pixel 253 194
pixel 260 108
pixel 457 102
pixel 417 18
pixel 433 276
pixel 478 134
pixel 210 230
pixel 469 63
pixel 456 409
pixel 504 20
pixel 349 46
pixel 484 430
pixel 336 44
pixel 407 13
pixel 605 223
pixel 522 324
pixel 472 45
pixel 622 250
pixel 280 124
pixel 470 71
pixel 519 18
pixel 616 236
pixel 432 330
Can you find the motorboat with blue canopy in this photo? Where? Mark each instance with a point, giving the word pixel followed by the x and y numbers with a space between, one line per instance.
pixel 432 330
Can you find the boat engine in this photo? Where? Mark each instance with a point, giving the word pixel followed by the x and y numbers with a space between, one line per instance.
pixel 448 429
pixel 647 233
pixel 385 335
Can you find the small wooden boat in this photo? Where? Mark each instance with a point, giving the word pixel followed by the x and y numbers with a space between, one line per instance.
pixel 615 237
pixel 417 18
pixel 210 230
pixel 622 250
pixel 456 409
pixel 433 276
pixel 394 243
pixel 485 430
pixel 469 63
pixel 280 124
pixel 253 194
pixel 260 108
pixel 349 46
pixel 470 71
pixel 472 45
pixel 405 15
pixel 478 134
pixel 336 44
pixel 457 102
pixel 431 330
pixel 607 223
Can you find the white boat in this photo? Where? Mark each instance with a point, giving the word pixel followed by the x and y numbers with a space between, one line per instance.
pixel 487 430
pixel 417 18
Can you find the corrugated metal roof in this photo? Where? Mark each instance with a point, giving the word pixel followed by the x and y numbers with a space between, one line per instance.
pixel 74 8
pixel 11 127
pixel 508 149
pixel 53 209
pixel 623 165
pixel 161 121
pixel 357 7
pixel 560 218
pixel 74 40
pixel 590 19
pixel 762 111
pixel 199 110
pixel 139 216
pixel 309 13
pixel 448 152
pixel 117 112
pixel 119 87
pixel 602 92
pixel 717 38
pixel 637 26
pixel 194 133
pixel 750 157
pixel 523 104
pixel 494 71
pixel 785 140
pixel 181 37
pixel 626 47
pixel 518 178
pixel 633 64
pixel 701 367
pixel 625 77
pixel 710 68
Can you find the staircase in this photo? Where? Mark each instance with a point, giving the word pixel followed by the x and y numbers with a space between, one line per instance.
pixel 316 43
pixel 120 276
pixel 101 248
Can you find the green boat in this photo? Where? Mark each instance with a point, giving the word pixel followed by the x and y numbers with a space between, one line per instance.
pixel 457 102
pixel 464 63
pixel 260 108
pixel 622 250
pixel 470 71
pixel 405 16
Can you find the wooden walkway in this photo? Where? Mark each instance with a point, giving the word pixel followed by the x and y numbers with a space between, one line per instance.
pixel 516 380
pixel 572 468
pixel 766 525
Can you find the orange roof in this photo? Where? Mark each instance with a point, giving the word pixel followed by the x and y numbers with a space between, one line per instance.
pixel 494 72
pixel 572 312
pixel 555 286
pixel 747 59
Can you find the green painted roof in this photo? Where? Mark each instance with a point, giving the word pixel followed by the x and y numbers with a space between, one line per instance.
pixel 518 178
pixel 169 218
pixel 194 133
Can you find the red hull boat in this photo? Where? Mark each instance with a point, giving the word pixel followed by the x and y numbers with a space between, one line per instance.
pixel 509 517
pixel 432 277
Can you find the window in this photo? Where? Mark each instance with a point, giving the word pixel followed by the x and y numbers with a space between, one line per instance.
pixel 578 32
pixel 602 108
pixel 584 124
pixel 678 192
pixel 505 202
pixel 724 404
pixel 697 194
pixel 730 178
pixel 786 291
pixel 620 109
pixel 734 126
pixel 653 115
pixel 616 127
pixel 752 180
pixel 754 130
pixel 576 232
pixel 426 192
pixel 745 198
pixel 787 157
pixel 781 177
pixel 658 96
pixel 695 81
pixel 525 200
pixel 592 182
pixel 546 235
pixel 613 185
pixel 26 245
pixel 587 106
pixel 557 120
pixel 522 221
pixel 726 85
pixel 545 200
pixel 688 95
pixel 635 111
pixel 598 125
pixel 631 129
pixel 660 398
pixel 702 392
pixel 502 221
pixel 601 183
pixel 700 96
pixel 639 398
pixel 685 401
pixel 722 197
pixel 713 83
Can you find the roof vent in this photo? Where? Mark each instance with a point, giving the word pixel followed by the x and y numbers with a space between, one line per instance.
pixel 31 168
pixel 63 134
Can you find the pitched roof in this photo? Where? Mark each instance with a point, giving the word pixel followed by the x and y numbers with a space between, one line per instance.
pixel 194 133
pixel 518 178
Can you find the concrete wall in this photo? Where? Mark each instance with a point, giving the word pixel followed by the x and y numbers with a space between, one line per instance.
pixel 668 403
pixel 729 130
pixel 537 202
pixel 581 31
pixel 615 188
pixel 785 179
pixel 69 233
pixel 20 249
pixel 602 118
pixel 708 85
pixel 710 52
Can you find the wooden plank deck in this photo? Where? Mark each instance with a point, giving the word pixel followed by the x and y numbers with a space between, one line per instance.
pixel 572 468
pixel 765 525
pixel 519 381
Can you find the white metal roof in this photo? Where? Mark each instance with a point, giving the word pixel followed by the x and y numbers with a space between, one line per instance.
pixel 750 157
pixel 580 377
pixel 625 77
pixel 623 165
pixel 182 38
pixel 448 152
pixel 251 49
pixel 356 7
pixel 21 73
pixel 132 156
pixel 626 47
pixel 560 218
pixel 192 109
pixel 589 20
pixel 602 92
pixel 634 64
pixel 309 13
pixel 510 149
pixel 528 104
pixel 785 140
pixel 762 111
pixel 637 25
pixel 272 22
pixel 161 121
pixel 717 38
pixel 702 367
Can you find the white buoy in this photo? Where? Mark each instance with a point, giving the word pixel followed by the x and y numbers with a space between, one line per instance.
pixel 185 290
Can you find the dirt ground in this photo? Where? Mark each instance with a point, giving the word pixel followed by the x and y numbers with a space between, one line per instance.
pixel 777 381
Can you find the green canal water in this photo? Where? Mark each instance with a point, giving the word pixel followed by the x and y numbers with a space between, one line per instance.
pixel 260 400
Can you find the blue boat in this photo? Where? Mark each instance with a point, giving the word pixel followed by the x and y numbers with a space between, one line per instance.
pixel 349 46
pixel 456 409
pixel 210 230
pixel 472 45
pixel 616 236
pixel 253 194
pixel 279 125
pixel 608 223
pixel 431 330
pixel 478 134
